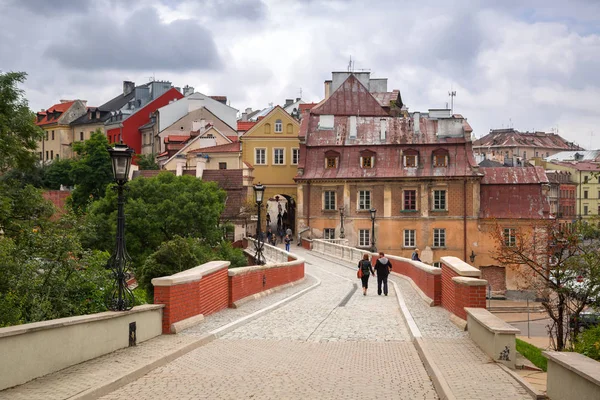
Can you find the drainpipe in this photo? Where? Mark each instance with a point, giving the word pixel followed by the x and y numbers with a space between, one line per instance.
pixel 308 210
pixel 465 220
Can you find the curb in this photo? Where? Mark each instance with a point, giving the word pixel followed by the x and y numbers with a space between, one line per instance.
pixel 106 388
pixel 530 389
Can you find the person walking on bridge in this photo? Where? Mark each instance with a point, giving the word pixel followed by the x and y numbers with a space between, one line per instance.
pixel 383 266
pixel 365 267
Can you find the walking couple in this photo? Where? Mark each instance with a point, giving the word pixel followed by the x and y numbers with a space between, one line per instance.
pixel 383 266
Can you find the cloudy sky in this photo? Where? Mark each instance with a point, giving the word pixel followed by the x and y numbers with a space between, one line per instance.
pixel 532 65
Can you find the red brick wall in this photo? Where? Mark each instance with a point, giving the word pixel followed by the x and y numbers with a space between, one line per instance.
pixel 306 244
pixel 58 198
pixel 206 296
pixel 430 284
pixel 250 283
pixel 496 276
pixel 455 296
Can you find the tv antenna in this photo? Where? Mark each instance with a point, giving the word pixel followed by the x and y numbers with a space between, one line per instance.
pixel 350 65
pixel 452 94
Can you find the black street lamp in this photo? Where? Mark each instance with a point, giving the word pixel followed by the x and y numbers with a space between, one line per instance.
pixel 472 256
pixel 259 259
pixel 120 297
pixel 342 236
pixel 373 211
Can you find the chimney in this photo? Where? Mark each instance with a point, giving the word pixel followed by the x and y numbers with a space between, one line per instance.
pixel 187 90
pixel 244 116
pixel 202 125
pixel 288 102
pixel 200 165
pixel 417 121
pixel 128 87
pixel 181 161
pixel 248 110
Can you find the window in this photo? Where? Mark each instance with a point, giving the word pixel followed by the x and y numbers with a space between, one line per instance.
pixel 410 200
pixel 331 162
pixel 81 136
pixel 57 156
pixel 439 160
pixel 585 210
pixel 585 178
pixel 329 233
pixel 437 264
pixel 439 200
pixel 329 200
pixel 52 154
pixel 382 128
pixel 40 155
pixel 409 238
pixel 439 237
pixel 366 162
pixel 47 154
pixel 278 126
pixel 547 154
pixel 510 237
pixel 295 156
pixel 325 122
pixel 410 160
pixel 585 194
pixel 222 165
pixel 53 137
pixel 364 238
pixel 524 155
pixel 260 157
pixel 278 158
pixel 364 200
pixel 47 137
pixel 353 126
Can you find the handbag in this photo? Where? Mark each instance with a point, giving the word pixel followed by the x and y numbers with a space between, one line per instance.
pixel 359 273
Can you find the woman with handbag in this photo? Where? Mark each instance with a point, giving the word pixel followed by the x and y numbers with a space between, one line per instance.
pixel 364 271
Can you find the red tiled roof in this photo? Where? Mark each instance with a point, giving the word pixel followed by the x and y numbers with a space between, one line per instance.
pixel 244 126
pixel 177 138
pixel 233 138
pixel 579 166
pixel 513 176
pixel 351 98
pixel 60 107
pixel 223 148
pixel 514 138
pixel 249 165
pixel 306 106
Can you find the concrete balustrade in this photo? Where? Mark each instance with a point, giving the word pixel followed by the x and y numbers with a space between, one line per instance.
pixel 32 350
pixel 572 376
pixel 494 336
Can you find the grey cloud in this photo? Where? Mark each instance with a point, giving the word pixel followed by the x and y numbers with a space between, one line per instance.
pixel 53 7
pixel 142 42
pixel 223 9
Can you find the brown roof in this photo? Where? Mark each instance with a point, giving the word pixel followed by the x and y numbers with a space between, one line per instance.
pixel 244 126
pixel 513 176
pixel 230 180
pixel 385 98
pixel 514 138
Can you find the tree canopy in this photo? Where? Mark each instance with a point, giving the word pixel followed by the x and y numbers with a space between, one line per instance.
pixel 18 132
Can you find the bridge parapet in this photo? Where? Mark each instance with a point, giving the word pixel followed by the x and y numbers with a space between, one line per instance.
pixel 461 286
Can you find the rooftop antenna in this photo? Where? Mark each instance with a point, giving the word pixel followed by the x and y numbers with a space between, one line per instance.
pixel 452 94
pixel 300 93
pixel 591 136
pixel 350 66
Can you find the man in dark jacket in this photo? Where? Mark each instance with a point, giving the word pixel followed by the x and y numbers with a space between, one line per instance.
pixel 383 266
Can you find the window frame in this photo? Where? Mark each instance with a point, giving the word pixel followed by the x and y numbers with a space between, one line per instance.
pixel 437 157
pixel 435 207
pixel 328 201
pixel 329 233
pixel 509 237
pixel 295 155
pixel 364 234
pixel 327 164
pixel 275 158
pixel 407 239
pixel 439 238
pixel 363 194
pixel 366 162
pixel 404 199
pixel 414 157
pixel 278 126
pixel 264 151
pixel 223 164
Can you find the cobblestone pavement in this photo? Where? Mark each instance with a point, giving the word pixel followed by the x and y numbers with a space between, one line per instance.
pixel 316 347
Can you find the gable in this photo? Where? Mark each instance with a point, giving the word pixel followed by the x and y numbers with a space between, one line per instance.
pixel 351 98
pixel 266 126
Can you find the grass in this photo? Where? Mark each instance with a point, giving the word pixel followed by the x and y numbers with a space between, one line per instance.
pixel 533 354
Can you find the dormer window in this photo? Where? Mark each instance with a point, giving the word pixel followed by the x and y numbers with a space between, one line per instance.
pixel 331 159
pixel 367 159
pixel 325 122
pixel 278 126
pixel 440 158
pixel 410 158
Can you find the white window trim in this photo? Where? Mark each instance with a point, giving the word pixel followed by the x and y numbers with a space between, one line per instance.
pixel 512 233
pixel 282 155
pixel 297 149
pixel 410 155
pixel 367 236
pixel 256 158
pixel 372 163
pixel 414 245
pixel 280 123
pixel 442 230
pixel 358 201
pixel 334 200
pixel 445 199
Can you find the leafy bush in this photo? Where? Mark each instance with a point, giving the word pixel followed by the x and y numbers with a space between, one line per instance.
pixel 533 354
pixel 588 343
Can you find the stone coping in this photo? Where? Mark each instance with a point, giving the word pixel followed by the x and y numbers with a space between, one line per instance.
pixel 460 267
pixel 490 321
pixel 417 264
pixel 190 275
pixel 252 268
pixel 467 281
pixel 80 319
pixel 578 363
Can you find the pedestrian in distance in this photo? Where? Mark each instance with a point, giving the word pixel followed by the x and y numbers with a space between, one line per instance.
pixel 269 236
pixel 289 232
pixel 383 266
pixel 365 268
pixel 415 255
pixel 287 240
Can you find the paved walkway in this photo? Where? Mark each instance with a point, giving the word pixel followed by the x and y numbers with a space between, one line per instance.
pixel 329 343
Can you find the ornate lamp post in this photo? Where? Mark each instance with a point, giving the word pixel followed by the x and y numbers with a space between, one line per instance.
pixel 259 191
pixel 373 211
pixel 120 297
pixel 342 236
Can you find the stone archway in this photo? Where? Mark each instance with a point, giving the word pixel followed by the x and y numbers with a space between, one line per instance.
pixel 281 210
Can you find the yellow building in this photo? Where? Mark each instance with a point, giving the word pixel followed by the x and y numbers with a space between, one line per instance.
pixel 55 121
pixel 273 149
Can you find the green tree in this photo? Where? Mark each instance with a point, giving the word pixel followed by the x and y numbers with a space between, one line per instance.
pixel 157 210
pixel 91 171
pixel 18 132
pixel 60 172
pixel 22 208
pixel 147 162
